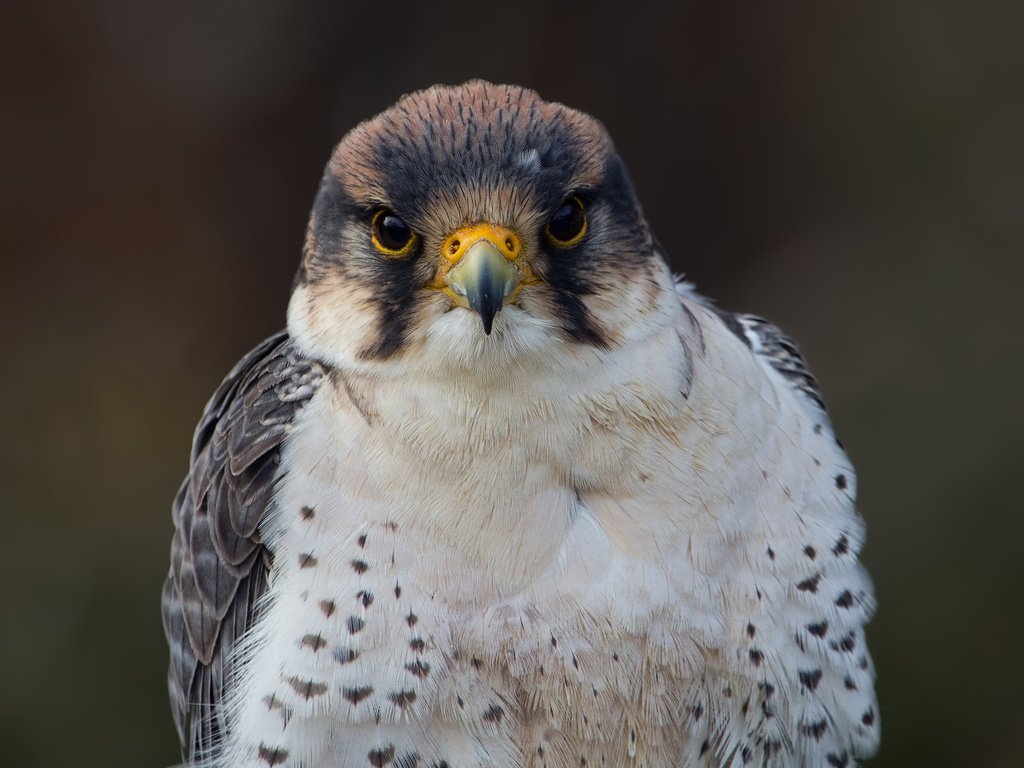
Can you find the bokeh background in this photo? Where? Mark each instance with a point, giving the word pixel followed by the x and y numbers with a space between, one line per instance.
pixel 853 171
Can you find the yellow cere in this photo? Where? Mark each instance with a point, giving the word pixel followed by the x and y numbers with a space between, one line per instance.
pixel 459 241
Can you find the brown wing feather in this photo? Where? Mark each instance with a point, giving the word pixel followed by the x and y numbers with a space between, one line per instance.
pixel 218 564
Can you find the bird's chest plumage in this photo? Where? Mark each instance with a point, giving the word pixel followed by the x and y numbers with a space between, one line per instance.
pixel 480 616
pixel 559 590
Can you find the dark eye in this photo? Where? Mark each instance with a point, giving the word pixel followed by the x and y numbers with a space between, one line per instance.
pixel 390 234
pixel 568 224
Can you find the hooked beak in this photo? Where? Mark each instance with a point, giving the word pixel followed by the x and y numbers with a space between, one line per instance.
pixel 483 272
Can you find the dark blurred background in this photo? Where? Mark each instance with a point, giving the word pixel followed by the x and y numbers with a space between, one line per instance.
pixel 854 172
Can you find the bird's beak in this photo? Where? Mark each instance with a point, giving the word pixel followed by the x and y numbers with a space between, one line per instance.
pixel 481 270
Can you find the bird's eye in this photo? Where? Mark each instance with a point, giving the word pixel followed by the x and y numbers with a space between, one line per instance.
pixel 391 235
pixel 568 224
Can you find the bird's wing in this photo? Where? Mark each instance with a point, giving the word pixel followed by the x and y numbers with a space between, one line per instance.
pixel 773 346
pixel 802 555
pixel 219 566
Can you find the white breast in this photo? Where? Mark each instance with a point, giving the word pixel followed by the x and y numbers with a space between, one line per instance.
pixel 545 572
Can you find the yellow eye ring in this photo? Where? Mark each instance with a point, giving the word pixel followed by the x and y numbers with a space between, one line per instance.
pixel 568 224
pixel 391 236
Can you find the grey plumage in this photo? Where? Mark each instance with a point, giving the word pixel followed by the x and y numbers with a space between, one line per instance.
pixel 218 564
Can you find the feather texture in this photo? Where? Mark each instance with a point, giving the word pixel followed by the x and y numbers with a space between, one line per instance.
pixel 219 565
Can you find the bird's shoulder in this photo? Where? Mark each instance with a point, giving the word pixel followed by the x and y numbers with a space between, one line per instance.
pixel 768 343
pixel 219 564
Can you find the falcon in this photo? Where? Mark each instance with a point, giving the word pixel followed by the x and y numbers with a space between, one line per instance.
pixel 506 492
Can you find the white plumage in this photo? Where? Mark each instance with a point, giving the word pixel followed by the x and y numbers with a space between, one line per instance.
pixel 516 549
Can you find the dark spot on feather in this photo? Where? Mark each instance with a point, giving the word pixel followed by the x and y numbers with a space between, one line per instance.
pixel 819 629
pixel 698 712
pixel 327 606
pixel 419 668
pixel 845 600
pixel 810 552
pixel 273 755
pixel 841 482
pixel 494 714
pixel 402 699
pixel 365 597
pixel 771 553
pixel 316 642
pixel 398 591
pixel 838 761
pixel 868 718
pixel 411 619
pixel 308 689
pixel 846 644
pixel 345 655
pixel 360 566
pixel 307 513
pixel 356 695
pixel 809 679
pixel 756 656
pixel 810 585
pixel 381 756
pixel 354 624
pixel 361 540
pixel 704 747
pixel 751 630
pixel 849 684
pixel 306 560
pixel 417 644
pixel 816 730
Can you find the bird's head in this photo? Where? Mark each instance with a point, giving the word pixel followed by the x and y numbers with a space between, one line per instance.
pixel 474 223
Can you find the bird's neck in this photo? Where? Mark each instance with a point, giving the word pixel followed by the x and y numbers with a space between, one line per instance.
pixel 492 469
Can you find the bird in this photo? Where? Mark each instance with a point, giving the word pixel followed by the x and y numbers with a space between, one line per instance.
pixel 506 491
